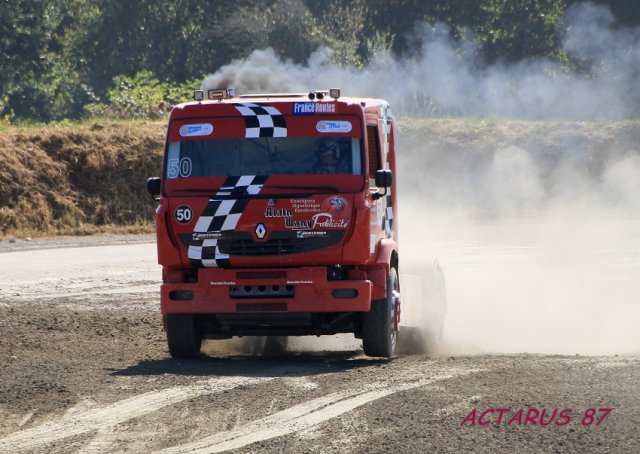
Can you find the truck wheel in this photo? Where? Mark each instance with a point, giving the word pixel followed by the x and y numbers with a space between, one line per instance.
pixel 184 336
pixel 379 332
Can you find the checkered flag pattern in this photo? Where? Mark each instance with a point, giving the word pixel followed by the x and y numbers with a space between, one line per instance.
pixel 388 221
pixel 222 214
pixel 388 218
pixel 262 121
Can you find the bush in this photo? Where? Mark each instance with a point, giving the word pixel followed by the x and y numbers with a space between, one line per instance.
pixel 6 113
pixel 141 96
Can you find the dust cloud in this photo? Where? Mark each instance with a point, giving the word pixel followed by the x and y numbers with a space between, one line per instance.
pixel 540 244
pixel 534 263
pixel 444 77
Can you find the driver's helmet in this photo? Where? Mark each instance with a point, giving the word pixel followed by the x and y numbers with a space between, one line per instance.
pixel 327 144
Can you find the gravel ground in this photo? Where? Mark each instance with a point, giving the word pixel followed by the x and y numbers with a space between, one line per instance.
pixel 85 369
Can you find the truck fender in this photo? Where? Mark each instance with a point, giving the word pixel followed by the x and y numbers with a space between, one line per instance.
pixel 378 275
pixel 168 251
pixel 386 248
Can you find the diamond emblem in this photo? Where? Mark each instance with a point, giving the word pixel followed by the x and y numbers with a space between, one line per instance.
pixel 261 230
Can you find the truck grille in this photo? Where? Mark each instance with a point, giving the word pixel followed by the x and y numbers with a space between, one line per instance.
pixel 250 247
pixel 278 244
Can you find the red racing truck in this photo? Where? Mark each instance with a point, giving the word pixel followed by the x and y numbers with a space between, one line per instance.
pixel 277 217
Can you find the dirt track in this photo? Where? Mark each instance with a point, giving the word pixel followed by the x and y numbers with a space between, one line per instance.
pixel 85 369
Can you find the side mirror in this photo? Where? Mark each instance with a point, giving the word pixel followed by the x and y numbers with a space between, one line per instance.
pixel 384 179
pixel 153 187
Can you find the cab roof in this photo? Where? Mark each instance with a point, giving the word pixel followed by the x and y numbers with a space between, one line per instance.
pixel 228 96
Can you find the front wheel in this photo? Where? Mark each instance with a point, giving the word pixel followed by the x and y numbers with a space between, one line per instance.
pixel 184 337
pixel 379 329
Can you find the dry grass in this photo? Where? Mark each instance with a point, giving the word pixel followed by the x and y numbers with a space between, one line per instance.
pixel 79 179
pixel 90 178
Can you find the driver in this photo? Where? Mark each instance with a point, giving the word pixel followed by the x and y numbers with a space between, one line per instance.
pixel 328 157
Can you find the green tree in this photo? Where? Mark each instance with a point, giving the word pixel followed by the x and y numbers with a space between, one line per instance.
pixel 398 19
pixel 38 79
pixel 518 29
pixel 58 55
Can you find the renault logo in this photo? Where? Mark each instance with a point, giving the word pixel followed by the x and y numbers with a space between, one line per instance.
pixel 261 230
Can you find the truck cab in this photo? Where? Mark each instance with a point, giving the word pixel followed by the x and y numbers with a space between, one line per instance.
pixel 277 217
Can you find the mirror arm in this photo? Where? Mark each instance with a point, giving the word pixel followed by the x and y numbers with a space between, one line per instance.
pixel 377 195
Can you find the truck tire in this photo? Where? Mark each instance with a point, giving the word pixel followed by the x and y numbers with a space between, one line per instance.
pixel 379 332
pixel 184 336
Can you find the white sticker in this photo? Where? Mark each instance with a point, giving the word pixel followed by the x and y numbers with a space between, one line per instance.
pixel 333 126
pixel 201 129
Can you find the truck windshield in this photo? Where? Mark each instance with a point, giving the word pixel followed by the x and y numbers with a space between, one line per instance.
pixel 264 156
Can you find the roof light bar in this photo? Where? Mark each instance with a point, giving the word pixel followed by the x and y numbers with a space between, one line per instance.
pixel 320 94
pixel 221 93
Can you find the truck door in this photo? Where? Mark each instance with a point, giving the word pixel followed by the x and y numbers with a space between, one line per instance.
pixel 381 211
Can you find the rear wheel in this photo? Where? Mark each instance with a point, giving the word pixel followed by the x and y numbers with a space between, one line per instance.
pixel 379 330
pixel 184 336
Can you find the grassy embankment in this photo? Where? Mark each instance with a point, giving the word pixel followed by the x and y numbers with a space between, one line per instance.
pixel 90 177
pixel 78 179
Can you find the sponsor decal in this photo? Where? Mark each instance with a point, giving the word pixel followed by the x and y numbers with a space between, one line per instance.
pixel 299 282
pixel 333 126
pixel 277 213
pixel 305 206
pixel 271 203
pixel 334 214
pixel 289 222
pixel 326 221
pixel 206 236
pixel 311 108
pixel 310 233
pixel 336 206
pixel 295 224
pixel 222 283
pixel 200 129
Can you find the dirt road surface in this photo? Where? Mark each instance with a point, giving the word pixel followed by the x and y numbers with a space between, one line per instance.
pixel 84 368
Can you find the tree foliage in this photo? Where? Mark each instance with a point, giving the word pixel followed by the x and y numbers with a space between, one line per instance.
pixel 64 58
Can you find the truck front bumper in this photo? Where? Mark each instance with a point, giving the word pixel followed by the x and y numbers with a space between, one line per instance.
pixel 284 290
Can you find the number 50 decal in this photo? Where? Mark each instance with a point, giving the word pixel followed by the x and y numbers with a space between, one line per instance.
pixel 179 168
pixel 184 214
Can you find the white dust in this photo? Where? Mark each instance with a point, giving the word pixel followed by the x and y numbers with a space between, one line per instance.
pixel 541 251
